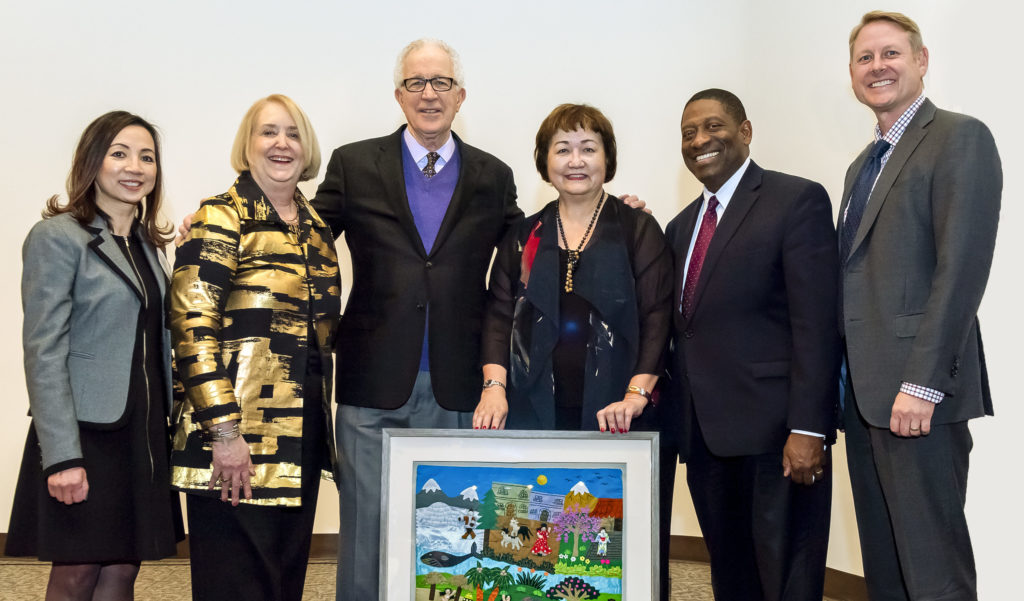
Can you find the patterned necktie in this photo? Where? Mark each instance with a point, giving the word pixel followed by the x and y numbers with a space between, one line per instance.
pixel 700 248
pixel 859 197
pixel 428 169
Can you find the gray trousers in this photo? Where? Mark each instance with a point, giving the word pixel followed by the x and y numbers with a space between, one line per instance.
pixel 909 496
pixel 359 435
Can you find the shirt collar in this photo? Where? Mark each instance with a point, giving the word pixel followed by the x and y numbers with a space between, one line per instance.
pixel 419 153
pixel 896 131
pixel 724 194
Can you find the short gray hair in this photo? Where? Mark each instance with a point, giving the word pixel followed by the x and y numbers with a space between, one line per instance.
pixel 460 79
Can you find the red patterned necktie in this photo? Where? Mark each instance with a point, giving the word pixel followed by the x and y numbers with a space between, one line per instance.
pixel 428 169
pixel 700 248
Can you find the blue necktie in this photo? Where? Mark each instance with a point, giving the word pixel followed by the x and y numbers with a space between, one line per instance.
pixel 859 197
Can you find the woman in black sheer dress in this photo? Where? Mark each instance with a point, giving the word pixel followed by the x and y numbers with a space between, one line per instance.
pixel 579 303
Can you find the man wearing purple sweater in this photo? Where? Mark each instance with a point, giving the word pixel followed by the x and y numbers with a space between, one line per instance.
pixel 421 212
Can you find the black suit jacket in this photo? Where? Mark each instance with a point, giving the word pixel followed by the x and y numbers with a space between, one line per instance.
pixel 395 279
pixel 759 355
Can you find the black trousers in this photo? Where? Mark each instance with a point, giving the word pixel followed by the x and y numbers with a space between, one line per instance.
pixel 909 496
pixel 767 537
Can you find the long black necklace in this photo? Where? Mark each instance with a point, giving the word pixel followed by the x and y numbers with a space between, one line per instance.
pixel 574 255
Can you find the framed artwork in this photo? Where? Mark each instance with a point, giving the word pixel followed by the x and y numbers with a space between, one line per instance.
pixel 506 515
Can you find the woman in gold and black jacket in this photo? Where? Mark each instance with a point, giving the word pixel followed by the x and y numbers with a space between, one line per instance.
pixel 254 306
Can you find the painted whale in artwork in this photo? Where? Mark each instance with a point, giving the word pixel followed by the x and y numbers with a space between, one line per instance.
pixel 440 559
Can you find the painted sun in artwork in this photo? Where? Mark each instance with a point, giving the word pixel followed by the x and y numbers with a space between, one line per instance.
pixel 542 479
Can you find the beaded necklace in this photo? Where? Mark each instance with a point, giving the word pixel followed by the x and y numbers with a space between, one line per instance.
pixel 574 255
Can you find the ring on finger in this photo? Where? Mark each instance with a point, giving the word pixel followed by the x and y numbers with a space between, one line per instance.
pixel 813 478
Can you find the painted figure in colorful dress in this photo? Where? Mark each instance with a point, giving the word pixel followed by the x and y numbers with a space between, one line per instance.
pixel 541 546
pixel 602 542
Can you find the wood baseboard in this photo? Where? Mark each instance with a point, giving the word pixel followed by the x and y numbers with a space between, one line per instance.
pixel 838 585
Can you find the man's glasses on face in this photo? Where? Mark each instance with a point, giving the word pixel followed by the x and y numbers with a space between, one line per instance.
pixel 418 84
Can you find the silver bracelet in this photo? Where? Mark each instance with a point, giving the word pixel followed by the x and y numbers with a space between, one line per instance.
pixel 492 382
pixel 231 433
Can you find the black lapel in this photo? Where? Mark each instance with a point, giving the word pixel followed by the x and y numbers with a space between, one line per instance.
pixel 105 247
pixel 680 245
pixel 739 205
pixel 469 172
pixel 389 167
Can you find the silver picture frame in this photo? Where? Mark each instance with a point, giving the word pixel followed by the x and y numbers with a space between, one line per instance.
pixel 635 452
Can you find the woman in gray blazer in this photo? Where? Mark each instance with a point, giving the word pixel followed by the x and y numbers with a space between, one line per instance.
pixel 93 495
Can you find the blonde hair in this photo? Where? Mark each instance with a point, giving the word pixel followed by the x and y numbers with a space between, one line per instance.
pixel 307 137
pixel 899 19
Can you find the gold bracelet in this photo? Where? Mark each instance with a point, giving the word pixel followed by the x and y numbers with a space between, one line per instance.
pixel 639 390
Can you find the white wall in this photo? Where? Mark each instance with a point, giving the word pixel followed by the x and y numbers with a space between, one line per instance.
pixel 193 70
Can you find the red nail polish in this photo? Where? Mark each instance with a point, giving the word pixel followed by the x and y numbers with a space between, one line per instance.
pixel 613 430
pixel 602 429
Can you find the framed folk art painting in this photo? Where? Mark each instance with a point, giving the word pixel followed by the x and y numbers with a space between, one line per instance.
pixel 519 515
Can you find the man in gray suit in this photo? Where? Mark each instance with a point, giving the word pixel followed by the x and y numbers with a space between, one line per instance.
pixel 917 229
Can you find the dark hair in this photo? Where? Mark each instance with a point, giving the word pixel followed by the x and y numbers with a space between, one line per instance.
pixel 729 101
pixel 570 117
pixel 85 166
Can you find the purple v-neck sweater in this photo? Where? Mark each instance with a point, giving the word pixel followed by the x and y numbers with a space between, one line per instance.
pixel 429 198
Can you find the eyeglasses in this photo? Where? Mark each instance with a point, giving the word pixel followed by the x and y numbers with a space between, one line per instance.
pixel 439 84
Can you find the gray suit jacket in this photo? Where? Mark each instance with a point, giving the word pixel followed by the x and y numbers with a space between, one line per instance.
pixel 918 268
pixel 80 298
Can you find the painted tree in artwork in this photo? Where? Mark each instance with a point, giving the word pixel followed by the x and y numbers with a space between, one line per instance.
pixel 501 578
pixel 573 589
pixel 488 516
pixel 577 521
pixel 434 579
pixel 459 581
pixel 480 577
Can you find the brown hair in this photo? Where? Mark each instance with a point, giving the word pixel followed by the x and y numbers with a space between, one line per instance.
pixel 307 137
pixel 85 166
pixel 901 20
pixel 570 117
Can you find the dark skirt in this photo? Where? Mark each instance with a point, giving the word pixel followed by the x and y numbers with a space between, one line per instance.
pixel 131 514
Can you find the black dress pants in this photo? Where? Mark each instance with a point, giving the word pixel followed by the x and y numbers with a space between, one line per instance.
pixel 256 552
pixel 767 537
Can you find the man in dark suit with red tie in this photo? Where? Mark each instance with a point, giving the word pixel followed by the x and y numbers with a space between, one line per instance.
pixel 755 348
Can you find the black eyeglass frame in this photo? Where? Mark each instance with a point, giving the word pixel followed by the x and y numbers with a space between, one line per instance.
pixel 420 83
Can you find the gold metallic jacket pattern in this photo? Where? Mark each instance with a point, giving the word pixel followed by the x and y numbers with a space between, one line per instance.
pixel 243 291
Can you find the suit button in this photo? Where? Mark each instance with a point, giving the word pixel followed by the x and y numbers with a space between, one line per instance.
pixel 956 367
pixel 688 334
pixel 429 265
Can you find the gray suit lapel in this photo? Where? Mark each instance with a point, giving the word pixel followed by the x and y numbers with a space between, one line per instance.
pixel 909 141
